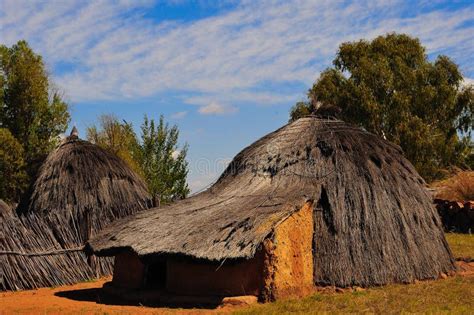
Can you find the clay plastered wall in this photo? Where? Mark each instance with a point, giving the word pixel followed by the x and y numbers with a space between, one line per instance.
pixel 284 268
pixel 230 279
pixel 289 257
pixel 129 271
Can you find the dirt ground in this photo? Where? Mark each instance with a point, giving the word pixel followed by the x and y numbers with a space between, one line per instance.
pixel 87 298
pixel 82 298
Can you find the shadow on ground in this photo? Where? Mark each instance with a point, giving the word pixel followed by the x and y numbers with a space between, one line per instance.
pixel 99 296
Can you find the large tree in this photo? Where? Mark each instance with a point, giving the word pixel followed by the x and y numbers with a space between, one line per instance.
pixel 164 164
pixel 156 156
pixel 30 107
pixel 13 179
pixel 390 87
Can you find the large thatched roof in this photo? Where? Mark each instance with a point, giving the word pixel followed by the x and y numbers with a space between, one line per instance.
pixel 5 209
pixel 375 222
pixel 80 189
pixel 88 186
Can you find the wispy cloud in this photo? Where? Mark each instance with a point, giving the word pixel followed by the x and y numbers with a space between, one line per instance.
pixel 116 52
pixel 468 81
pixel 179 115
pixel 215 108
pixel 205 172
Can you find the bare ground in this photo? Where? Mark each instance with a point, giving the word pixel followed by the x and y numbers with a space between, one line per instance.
pixel 87 298
pixel 454 294
pixel 82 298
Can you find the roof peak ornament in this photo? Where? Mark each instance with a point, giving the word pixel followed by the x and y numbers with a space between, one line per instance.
pixel 74 133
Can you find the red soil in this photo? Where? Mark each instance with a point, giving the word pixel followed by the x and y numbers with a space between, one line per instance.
pixel 86 298
pixel 82 298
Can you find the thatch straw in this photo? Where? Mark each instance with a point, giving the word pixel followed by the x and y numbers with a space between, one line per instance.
pixel 5 209
pixel 32 257
pixel 88 186
pixel 80 189
pixel 374 220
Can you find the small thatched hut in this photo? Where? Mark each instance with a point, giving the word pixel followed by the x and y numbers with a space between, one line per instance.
pixel 80 189
pixel 88 186
pixel 317 202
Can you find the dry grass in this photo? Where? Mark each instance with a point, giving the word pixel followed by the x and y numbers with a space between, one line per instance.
pixel 453 295
pixel 458 187
pixel 462 245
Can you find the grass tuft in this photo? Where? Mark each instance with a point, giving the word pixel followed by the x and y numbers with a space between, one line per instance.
pixel 458 187
pixel 453 295
pixel 462 245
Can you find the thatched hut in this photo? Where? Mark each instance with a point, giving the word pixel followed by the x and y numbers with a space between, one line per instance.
pixel 80 189
pixel 317 202
pixel 88 186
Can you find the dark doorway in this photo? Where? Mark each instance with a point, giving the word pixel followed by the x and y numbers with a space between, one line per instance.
pixel 156 275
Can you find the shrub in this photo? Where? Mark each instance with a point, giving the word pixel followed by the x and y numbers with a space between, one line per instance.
pixel 458 187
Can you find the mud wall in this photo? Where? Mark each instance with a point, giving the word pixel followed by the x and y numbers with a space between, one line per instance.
pixel 129 271
pixel 289 257
pixel 229 279
pixel 283 267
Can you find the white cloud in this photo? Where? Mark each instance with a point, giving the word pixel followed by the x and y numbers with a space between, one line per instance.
pixel 179 115
pixel 468 81
pixel 215 108
pixel 202 182
pixel 261 98
pixel 206 171
pixel 119 53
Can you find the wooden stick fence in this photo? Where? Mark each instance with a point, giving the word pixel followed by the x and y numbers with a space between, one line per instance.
pixel 43 252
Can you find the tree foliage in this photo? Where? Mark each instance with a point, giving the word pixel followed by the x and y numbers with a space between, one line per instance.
pixel 389 87
pixel 30 107
pixel 13 179
pixel 164 165
pixel 156 156
pixel 117 137
pixel 300 109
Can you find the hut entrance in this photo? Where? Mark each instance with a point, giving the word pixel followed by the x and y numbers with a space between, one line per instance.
pixel 156 275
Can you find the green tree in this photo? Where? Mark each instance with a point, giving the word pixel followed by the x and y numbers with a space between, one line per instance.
pixel 30 108
pixel 389 87
pixel 164 165
pixel 117 137
pixel 157 157
pixel 13 179
pixel 300 109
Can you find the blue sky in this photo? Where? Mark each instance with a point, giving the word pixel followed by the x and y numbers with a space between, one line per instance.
pixel 225 72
